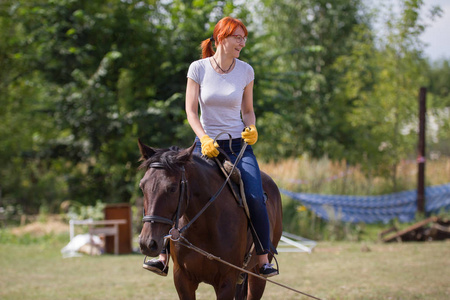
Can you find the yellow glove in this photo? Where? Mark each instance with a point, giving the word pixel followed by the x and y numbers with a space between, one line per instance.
pixel 250 135
pixel 209 147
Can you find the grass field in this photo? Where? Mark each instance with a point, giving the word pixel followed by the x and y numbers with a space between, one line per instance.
pixel 333 271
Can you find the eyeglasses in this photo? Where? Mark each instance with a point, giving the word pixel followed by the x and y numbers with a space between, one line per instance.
pixel 239 38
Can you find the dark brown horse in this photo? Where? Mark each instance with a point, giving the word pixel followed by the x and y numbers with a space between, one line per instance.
pixel 220 230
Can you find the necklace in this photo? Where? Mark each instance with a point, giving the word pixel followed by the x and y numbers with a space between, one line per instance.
pixel 228 70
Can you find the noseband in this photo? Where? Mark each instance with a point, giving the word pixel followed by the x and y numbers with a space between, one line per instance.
pixel 158 219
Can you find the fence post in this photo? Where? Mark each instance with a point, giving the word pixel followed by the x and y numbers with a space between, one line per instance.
pixel 421 152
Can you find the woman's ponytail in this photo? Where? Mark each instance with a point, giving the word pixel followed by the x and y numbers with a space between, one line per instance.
pixel 207 47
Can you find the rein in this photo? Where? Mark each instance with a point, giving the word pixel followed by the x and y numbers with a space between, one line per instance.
pixel 241 153
pixel 210 256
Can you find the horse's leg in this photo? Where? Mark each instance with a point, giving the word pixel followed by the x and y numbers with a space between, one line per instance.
pixel 241 289
pixel 256 287
pixel 185 287
pixel 226 289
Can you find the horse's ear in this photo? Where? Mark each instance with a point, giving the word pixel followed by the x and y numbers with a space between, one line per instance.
pixel 186 154
pixel 145 150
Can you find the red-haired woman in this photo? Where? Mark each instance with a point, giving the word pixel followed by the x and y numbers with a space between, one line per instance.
pixel 222 85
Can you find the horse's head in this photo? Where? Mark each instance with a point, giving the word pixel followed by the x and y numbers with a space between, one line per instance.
pixel 163 193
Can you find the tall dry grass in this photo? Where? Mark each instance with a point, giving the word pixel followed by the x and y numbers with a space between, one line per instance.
pixel 323 176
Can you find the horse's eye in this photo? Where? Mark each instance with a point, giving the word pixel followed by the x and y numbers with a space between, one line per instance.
pixel 172 188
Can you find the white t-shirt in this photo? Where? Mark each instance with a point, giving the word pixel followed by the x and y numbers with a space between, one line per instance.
pixel 220 96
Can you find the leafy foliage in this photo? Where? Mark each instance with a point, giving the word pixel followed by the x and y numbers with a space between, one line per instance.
pixel 306 38
pixel 81 81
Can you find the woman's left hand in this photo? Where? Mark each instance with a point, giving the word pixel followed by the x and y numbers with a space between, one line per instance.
pixel 250 134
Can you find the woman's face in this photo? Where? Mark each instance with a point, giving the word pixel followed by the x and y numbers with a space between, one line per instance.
pixel 234 43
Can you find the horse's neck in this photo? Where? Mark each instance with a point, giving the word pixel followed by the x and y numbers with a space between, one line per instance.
pixel 204 182
pixel 223 222
pixel 207 180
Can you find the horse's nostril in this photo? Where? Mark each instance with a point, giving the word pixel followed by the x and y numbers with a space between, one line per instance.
pixel 153 245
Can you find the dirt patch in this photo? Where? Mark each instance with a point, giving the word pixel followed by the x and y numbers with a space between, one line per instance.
pixel 53 225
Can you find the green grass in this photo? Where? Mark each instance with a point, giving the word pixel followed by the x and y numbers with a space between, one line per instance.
pixel 337 270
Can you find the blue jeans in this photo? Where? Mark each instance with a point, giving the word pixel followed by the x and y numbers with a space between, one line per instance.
pixel 251 176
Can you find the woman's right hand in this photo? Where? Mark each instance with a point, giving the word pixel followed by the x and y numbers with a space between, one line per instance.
pixel 209 148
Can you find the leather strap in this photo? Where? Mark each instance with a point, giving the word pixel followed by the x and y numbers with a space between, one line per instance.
pixel 157 219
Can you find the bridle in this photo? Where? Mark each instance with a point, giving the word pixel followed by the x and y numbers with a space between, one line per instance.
pixel 183 189
pixel 174 232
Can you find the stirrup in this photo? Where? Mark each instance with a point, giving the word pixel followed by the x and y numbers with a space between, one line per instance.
pixel 156 266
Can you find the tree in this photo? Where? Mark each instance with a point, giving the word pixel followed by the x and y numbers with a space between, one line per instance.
pixel 385 115
pixel 301 113
pixel 438 98
pixel 104 73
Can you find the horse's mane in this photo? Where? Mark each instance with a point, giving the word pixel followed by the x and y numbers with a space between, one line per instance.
pixel 169 159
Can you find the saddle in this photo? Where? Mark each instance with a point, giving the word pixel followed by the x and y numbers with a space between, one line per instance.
pixel 236 184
